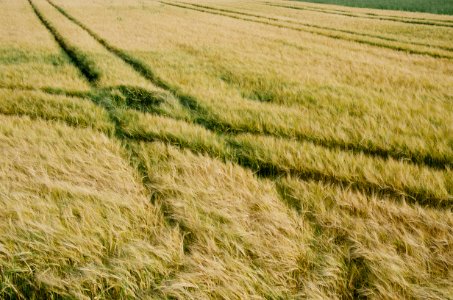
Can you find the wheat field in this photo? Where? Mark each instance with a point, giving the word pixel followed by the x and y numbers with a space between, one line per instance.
pixel 224 150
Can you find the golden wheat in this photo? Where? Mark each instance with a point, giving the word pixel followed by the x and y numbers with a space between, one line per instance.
pixel 224 150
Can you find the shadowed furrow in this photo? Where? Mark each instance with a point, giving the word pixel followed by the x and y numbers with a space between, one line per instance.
pixel 80 60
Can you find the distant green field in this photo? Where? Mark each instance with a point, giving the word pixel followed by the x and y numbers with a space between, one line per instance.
pixel 430 6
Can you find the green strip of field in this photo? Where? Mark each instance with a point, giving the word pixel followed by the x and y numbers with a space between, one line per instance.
pixel 429 6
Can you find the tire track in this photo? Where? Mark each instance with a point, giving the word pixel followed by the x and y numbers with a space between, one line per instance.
pixel 416 21
pixel 102 98
pixel 384 38
pixel 235 153
pixel 204 118
pixel 266 169
pixel 314 28
pixel 81 61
